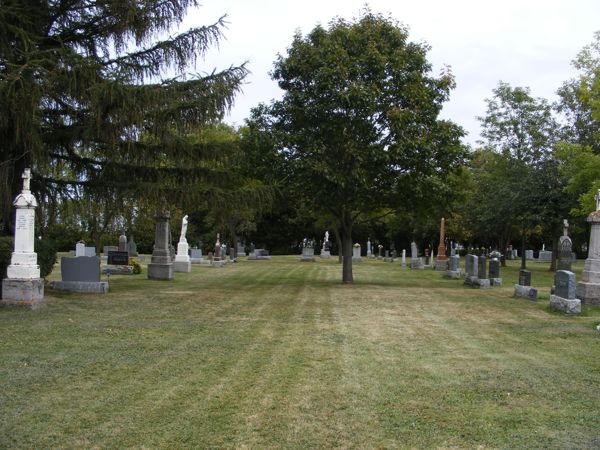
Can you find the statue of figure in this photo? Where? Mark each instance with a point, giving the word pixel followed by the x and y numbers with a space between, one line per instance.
pixel 326 236
pixel 565 227
pixel 218 240
pixel 304 243
pixel 184 225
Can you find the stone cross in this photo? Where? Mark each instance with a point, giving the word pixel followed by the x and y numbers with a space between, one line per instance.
pixel 27 178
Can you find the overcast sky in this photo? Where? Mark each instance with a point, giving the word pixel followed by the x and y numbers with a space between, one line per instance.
pixel 521 42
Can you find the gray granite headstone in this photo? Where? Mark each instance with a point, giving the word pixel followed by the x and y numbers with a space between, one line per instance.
pixel 565 284
pixel 81 268
pixel 481 267
pixel 494 268
pixel 454 262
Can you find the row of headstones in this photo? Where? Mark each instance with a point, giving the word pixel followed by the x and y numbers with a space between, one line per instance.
pixel 476 270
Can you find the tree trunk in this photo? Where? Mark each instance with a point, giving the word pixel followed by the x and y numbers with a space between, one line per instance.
pixel 523 258
pixel 347 277
pixel 338 240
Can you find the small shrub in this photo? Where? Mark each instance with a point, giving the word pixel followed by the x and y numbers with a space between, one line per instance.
pixel 46 256
pixel 137 269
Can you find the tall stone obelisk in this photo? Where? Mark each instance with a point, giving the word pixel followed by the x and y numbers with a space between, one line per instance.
pixel 588 289
pixel 441 262
pixel 23 285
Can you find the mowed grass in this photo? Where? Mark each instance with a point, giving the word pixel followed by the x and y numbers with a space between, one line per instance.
pixel 280 354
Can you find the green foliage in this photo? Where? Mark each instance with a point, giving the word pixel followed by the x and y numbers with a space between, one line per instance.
pixel 46 256
pixel 6 249
pixel 97 105
pixel 358 122
pixel 137 268
pixel 581 167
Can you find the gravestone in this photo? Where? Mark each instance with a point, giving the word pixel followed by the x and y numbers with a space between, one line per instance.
pixel 325 250
pixel 470 269
pixel 122 243
pixel 404 258
pixel 23 285
pixel 588 289
pixel 564 298
pixel 356 256
pixel 528 254
pixel 118 263
pixel 80 274
pixel 453 271
pixel 415 261
pixel 369 250
pixel 308 251
pixel 565 249
pixel 80 249
pixel 482 267
pixel 545 256
pixel 441 262
pixel 387 257
pixel 494 274
pixel 196 256
pixel 89 251
pixel 380 251
pixel 241 249
pixel 217 260
pixel 182 261
pixel 161 267
pixel 132 247
pixel 524 289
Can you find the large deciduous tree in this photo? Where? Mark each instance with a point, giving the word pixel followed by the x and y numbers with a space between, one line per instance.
pixel 358 122
pixel 97 86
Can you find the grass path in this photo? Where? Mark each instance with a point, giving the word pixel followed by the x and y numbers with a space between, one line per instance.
pixel 279 354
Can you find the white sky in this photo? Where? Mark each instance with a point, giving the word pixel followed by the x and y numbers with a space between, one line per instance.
pixel 522 42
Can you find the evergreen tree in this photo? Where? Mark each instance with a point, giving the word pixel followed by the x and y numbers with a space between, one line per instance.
pixel 95 98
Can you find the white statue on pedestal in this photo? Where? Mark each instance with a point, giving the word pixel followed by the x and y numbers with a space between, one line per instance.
pixel 184 225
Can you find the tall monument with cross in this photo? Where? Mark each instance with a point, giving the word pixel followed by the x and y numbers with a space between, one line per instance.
pixel 23 285
pixel 588 289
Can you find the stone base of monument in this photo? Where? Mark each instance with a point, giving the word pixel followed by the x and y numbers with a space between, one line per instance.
pixel 566 305
pixel 416 264
pixel 182 266
pixel 160 271
pixel 441 265
pixel 470 280
pixel 27 292
pixel 527 292
pixel 325 254
pixel 481 283
pixel 588 293
pixel 84 287
pixel 218 263
pixel 496 281
pixel 114 269
pixel 357 258
pixel 452 274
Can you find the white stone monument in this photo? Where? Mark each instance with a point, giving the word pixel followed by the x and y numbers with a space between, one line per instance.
pixel 369 250
pixel 404 258
pixel 182 261
pixel 356 256
pixel 325 252
pixel 80 249
pixel 23 285
pixel 588 289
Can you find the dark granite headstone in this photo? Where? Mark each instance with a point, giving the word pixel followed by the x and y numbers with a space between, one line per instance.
pixel 80 268
pixel 564 282
pixel 118 258
pixel 481 268
pixel 565 253
pixel 524 277
pixel 494 268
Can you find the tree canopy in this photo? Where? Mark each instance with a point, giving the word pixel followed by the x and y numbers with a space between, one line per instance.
pixel 358 123
pixel 95 96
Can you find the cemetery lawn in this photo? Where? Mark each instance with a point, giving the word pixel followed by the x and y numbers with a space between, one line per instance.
pixel 280 354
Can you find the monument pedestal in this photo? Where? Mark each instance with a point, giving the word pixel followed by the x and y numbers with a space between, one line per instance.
pixel 566 305
pixel 588 289
pixel 182 261
pixel 28 292
pixel 441 264
pixel 182 266
pixel 308 254
pixel 84 287
pixel 160 267
pixel 325 254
